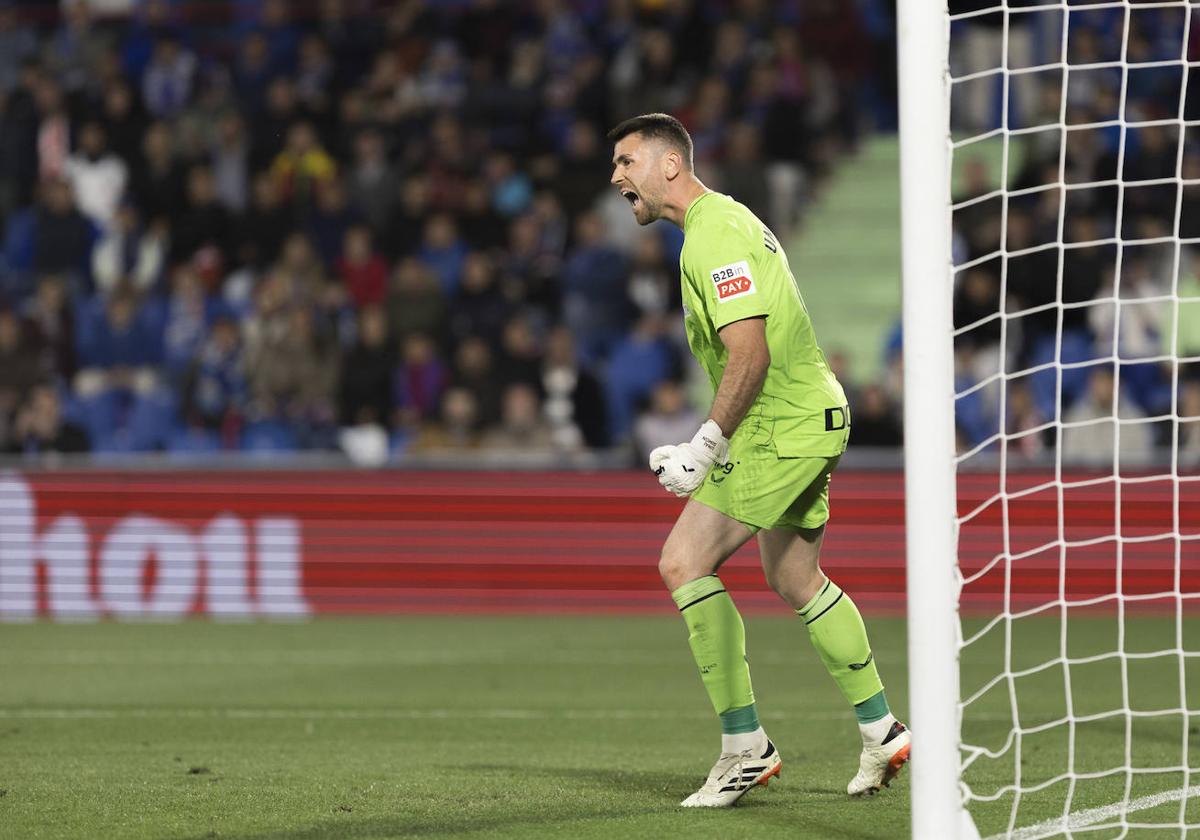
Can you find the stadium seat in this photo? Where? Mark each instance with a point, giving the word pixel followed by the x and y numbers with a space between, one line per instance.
pixel 190 443
pixel 1077 347
pixel 268 436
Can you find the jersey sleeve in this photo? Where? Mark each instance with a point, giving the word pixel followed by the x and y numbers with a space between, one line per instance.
pixel 722 263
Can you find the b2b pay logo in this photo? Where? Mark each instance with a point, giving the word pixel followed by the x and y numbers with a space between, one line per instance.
pixel 733 281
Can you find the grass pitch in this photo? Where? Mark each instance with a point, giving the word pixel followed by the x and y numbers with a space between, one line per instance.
pixel 483 727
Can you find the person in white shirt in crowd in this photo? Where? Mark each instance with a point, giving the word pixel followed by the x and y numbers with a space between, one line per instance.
pixel 1091 444
pixel 98 177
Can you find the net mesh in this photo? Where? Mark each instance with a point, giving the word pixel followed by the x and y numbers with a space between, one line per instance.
pixel 1076 215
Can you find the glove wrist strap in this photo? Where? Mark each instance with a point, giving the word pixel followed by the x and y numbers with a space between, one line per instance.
pixel 711 441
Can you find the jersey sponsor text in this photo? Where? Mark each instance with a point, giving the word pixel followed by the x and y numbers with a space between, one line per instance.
pixel 733 281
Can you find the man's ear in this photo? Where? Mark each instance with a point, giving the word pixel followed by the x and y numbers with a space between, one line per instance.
pixel 672 165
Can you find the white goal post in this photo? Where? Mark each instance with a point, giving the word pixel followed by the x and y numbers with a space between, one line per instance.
pixel 1050 180
pixel 924 92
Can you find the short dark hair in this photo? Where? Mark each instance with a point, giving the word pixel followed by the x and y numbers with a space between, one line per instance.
pixel 656 127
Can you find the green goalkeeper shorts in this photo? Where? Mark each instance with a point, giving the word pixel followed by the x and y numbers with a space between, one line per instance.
pixel 762 490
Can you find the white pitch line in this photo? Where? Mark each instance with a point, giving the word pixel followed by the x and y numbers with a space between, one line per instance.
pixel 1082 819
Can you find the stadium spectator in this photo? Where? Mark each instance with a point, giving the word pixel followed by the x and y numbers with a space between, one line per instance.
pixel 667 419
pixel 522 428
pixel 124 121
pixel 303 165
pixel 874 420
pixel 18 44
pixel 61 237
pixel 363 272
pixel 252 72
pixel 415 302
pixel 328 221
pixel 76 47
pixel 22 365
pixel 372 182
pixel 638 362
pixel 119 346
pixel 444 251
pixel 159 183
pixel 1134 329
pixel 420 380
pixel 1023 419
pixel 520 353
pixel 230 156
pixel 189 312
pixel 744 172
pixel 130 253
pixel 404 227
pixel 301 270
pixel 168 80
pixel 265 224
pixel 52 320
pixel 594 281
pixel 533 257
pixel 18 141
pixel 291 374
pixel 457 428
pixel 474 372
pixel 583 171
pixel 510 190
pixel 40 428
pixel 574 403
pixel 97 176
pixel 314 75
pixel 653 280
pixel 365 384
pixel 271 124
pixel 203 222
pixel 215 390
pixel 1088 435
pixel 481 309
pixel 54 128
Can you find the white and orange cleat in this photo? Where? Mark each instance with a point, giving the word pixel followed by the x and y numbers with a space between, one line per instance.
pixel 881 760
pixel 734 775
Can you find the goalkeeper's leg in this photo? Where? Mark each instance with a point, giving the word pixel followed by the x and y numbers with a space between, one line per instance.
pixel 700 542
pixel 791 562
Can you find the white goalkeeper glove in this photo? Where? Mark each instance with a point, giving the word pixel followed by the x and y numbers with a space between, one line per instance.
pixel 683 468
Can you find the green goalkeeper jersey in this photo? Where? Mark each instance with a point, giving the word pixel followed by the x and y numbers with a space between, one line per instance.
pixel 733 268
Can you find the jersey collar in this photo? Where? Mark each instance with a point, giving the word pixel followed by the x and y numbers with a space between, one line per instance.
pixel 692 207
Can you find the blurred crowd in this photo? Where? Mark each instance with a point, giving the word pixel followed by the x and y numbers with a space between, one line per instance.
pixel 1118 198
pixel 383 227
pixel 386 228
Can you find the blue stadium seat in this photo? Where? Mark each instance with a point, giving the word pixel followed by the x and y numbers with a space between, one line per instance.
pixel 268 436
pixel 634 368
pixel 1077 347
pixel 150 421
pixel 186 444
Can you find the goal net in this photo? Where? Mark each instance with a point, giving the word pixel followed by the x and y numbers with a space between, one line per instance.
pixel 1074 153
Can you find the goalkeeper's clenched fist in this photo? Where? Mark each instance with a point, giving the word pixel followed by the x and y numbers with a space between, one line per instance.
pixel 683 468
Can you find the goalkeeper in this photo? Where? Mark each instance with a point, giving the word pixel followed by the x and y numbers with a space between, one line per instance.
pixel 759 466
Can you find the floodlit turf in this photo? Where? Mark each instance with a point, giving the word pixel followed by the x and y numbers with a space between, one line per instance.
pixel 485 727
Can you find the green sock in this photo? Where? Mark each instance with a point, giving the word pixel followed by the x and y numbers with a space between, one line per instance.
pixel 718 641
pixel 836 630
pixel 872 709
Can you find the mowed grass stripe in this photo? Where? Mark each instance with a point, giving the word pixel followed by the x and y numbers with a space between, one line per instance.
pixel 477 727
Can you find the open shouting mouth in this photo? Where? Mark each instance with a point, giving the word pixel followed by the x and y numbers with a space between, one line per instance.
pixel 632 197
